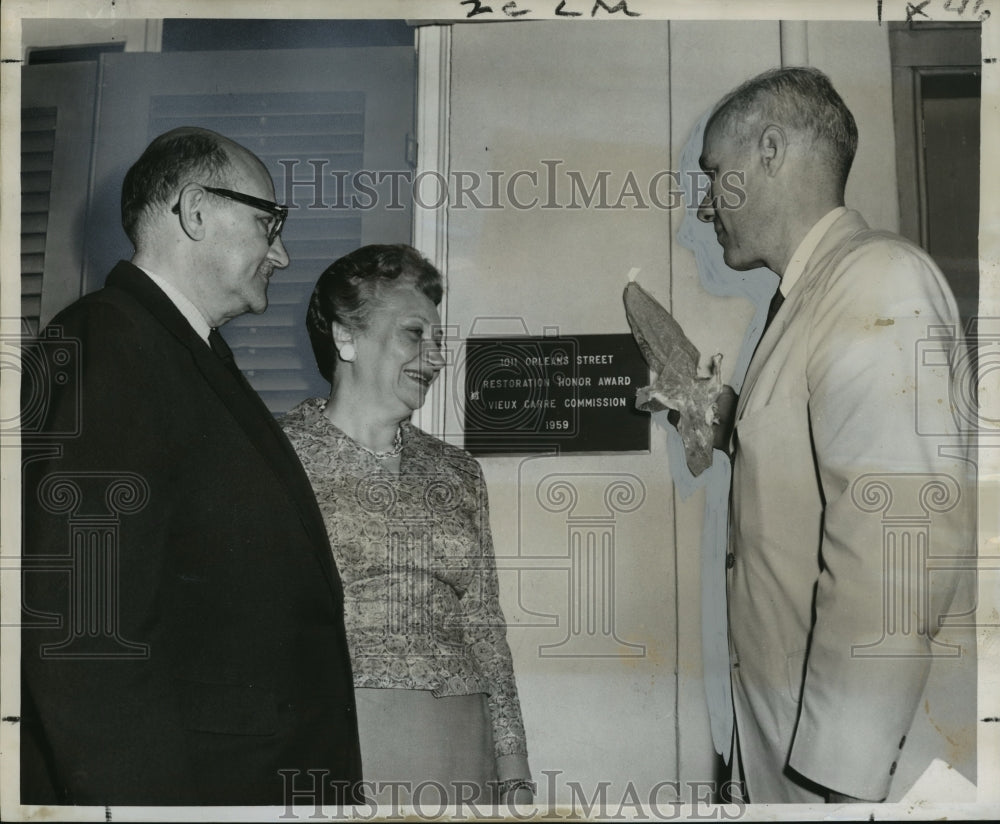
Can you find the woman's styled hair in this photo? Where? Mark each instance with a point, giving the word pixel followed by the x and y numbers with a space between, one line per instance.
pixel 348 293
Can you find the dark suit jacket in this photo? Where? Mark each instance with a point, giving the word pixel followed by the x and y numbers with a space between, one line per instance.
pixel 199 656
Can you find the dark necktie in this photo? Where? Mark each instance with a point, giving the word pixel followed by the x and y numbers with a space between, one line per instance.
pixel 776 300
pixel 772 310
pixel 221 348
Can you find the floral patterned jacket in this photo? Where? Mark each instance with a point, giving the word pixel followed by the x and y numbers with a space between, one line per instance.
pixel 415 554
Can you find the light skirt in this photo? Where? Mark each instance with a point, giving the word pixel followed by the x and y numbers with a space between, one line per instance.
pixel 440 748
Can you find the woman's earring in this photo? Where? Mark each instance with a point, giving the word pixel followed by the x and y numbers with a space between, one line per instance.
pixel 348 353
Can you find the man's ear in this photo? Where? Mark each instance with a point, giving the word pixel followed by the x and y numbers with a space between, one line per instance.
pixel 189 208
pixel 772 146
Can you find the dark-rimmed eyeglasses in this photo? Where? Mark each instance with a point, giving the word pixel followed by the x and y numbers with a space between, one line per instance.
pixel 277 211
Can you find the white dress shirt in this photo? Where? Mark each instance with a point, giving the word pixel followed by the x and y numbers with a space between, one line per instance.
pixel 191 312
pixel 800 257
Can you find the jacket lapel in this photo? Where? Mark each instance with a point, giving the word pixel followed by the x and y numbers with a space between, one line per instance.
pixel 242 402
pixel 826 254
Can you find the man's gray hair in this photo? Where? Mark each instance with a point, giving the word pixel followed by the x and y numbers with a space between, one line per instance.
pixel 183 155
pixel 799 98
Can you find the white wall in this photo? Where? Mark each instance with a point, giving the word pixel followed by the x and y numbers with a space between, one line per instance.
pixel 594 97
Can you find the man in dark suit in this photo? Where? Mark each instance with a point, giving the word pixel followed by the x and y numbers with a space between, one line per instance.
pixel 183 637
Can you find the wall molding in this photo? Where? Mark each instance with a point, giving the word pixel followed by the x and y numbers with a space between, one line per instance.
pixel 430 226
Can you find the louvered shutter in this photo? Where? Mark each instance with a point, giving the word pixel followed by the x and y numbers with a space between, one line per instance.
pixel 57 122
pixel 38 137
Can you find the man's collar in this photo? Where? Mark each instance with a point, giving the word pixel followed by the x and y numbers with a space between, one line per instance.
pixel 191 312
pixel 800 257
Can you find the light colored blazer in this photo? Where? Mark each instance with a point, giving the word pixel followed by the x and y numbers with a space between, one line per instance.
pixel 840 493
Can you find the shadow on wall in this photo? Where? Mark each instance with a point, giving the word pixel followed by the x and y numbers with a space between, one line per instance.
pixel 757 286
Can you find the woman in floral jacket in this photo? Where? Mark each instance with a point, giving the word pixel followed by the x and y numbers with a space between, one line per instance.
pixel 408 520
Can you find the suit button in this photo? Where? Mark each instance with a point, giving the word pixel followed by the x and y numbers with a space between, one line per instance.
pixel 892 769
pixel 730 560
